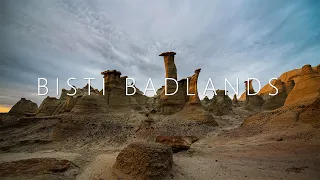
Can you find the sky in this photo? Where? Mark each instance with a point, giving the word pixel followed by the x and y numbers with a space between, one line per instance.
pixel 80 38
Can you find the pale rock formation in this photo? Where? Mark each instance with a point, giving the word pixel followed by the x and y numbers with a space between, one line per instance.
pixel 23 107
pixel 221 104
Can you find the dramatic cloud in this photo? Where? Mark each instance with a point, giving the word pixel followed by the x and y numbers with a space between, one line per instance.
pixel 81 38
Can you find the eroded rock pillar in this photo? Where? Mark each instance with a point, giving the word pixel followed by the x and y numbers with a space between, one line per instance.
pixel 171 70
pixel 170 103
pixel 193 88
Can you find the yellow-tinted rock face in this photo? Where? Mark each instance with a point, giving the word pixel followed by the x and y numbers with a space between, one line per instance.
pixel 169 104
pixel 193 88
pixel 306 89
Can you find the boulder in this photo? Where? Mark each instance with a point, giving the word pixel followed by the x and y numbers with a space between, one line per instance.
pixel 177 143
pixel 23 107
pixel 143 160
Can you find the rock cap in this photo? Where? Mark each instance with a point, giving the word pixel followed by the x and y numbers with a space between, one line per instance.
pixel 168 54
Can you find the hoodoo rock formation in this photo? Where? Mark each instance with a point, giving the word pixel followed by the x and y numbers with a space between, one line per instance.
pixel 169 104
pixel 295 86
pixel 193 89
pixel 114 89
pixel 23 107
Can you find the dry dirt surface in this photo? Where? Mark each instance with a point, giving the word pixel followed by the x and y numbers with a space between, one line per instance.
pixel 86 147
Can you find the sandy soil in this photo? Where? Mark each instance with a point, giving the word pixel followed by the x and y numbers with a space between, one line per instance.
pixel 207 160
pixel 228 152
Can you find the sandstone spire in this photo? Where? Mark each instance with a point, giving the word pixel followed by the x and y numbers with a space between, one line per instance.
pixel 193 88
pixel 169 104
pixel 171 70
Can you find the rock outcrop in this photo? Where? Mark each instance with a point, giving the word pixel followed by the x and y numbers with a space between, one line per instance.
pixel 206 102
pixel 278 100
pixel 193 89
pixel 143 160
pixel 49 106
pixel 221 104
pixel 317 68
pixel 252 102
pixel 32 167
pixel 306 89
pixel 170 104
pixel 311 114
pixel 235 101
pixel 89 104
pixel 23 107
